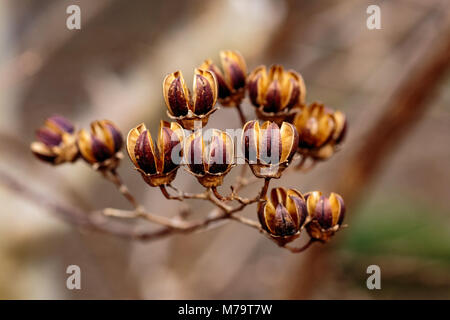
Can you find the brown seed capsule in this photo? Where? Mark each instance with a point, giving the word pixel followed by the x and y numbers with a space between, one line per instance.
pixel 268 149
pixel 284 214
pixel 101 147
pixel 56 141
pixel 231 83
pixel 276 93
pixel 188 109
pixel 157 166
pixel 320 130
pixel 209 161
pixel 325 215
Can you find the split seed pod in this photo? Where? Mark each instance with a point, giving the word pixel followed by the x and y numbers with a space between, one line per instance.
pixel 284 214
pixel 209 161
pixel 56 141
pixel 325 215
pixel 269 149
pixel 320 130
pixel 231 82
pixel 101 147
pixel 158 166
pixel 187 109
pixel 276 93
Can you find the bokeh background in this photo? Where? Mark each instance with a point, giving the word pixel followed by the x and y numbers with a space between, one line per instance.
pixel 398 213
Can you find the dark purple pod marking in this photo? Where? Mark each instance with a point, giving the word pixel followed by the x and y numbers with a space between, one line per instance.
pixel 218 156
pixel 250 143
pixel 282 224
pixel 48 137
pixel 62 123
pixel 342 212
pixel 224 91
pixel 302 211
pixel 177 100
pixel 116 135
pixel 204 96
pixel 144 155
pixel 237 76
pixel 294 94
pixel 323 213
pixel 195 156
pixel 273 97
pixel 270 147
pixel 99 150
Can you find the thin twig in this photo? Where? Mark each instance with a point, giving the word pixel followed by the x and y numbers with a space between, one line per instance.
pixel 300 249
pixel 241 114
pixel 114 177
pixel 181 195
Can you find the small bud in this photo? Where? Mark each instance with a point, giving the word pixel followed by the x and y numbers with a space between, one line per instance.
pixel 284 214
pixel 231 83
pixel 56 141
pixel 183 107
pixel 209 161
pixel 101 147
pixel 326 215
pixel 320 130
pixel 269 149
pixel 157 166
pixel 276 93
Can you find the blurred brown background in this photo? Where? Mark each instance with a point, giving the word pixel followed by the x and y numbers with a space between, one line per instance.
pixel 398 215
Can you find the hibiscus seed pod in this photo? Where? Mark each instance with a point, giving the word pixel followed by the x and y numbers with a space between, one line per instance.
pixel 188 109
pixel 209 160
pixel 268 148
pixel 56 141
pixel 158 166
pixel 231 82
pixel 284 214
pixel 274 94
pixel 326 214
pixel 101 146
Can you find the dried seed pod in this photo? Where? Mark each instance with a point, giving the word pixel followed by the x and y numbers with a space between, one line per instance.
pixel 101 147
pixel 268 149
pixel 320 130
pixel 284 214
pixel 275 94
pixel 187 109
pixel 209 160
pixel 56 141
pixel 325 215
pixel 158 166
pixel 231 82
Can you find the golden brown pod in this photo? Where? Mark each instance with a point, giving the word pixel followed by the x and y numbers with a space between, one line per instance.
pixel 209 160
pixel 56 141
pixel 102 145
pixel 190 110
pixel 284 214
pixel 158 166
pixel 268 149
pixel 231 82
pixel 326 215
pixel 320 130
pixel 276 93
